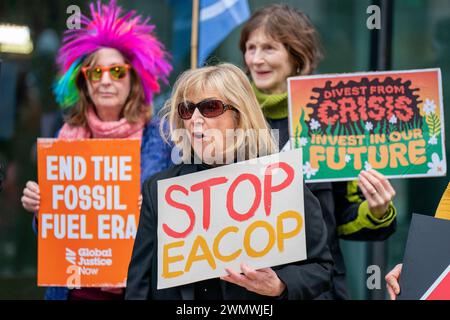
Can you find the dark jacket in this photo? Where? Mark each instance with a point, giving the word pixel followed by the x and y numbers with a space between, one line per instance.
pixel 346 215
pixel 304 280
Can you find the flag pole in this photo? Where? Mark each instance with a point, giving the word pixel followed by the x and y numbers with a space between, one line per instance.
pixel 194 34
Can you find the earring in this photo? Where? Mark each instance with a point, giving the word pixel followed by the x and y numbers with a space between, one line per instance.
pixel 298 70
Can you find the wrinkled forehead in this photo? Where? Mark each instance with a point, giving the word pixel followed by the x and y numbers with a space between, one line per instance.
pixel 264 33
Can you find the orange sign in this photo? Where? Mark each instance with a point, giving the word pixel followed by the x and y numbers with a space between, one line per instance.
pixel 390 121
pixel 89 211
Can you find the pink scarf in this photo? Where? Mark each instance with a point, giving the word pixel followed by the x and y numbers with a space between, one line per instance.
pixel 97 128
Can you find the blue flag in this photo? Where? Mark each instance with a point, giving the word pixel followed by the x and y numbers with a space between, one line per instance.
pixel 181 36
pixel 217 19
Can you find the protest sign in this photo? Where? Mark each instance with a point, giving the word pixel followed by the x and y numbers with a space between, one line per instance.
pixel 443 209
pixel 426 263
pixel 388 121
pixel 89 211
pixel 249 212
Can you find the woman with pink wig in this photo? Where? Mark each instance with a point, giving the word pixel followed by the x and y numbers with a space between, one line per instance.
pixel 109 72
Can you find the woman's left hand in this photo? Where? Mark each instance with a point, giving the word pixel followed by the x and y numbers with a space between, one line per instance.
pixel 392 281
pixel 140 202
pixel 377 190
pixel 262 281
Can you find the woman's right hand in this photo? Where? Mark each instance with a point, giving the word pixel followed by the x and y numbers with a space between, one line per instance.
pixel 392 279
pixel 31 198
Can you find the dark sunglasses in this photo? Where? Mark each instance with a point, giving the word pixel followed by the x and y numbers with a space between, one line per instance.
pixel 117 72
pixel 208 108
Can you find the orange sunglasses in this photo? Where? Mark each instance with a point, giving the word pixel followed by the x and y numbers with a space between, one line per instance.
pixel 117 72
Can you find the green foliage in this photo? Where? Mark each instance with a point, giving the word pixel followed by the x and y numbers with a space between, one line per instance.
pixel 297 138
pixel 434 125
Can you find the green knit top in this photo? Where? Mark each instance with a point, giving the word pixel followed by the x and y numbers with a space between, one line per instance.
pixel 274 106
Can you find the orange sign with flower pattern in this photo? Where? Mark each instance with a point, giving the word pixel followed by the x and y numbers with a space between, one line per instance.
pixel 388 121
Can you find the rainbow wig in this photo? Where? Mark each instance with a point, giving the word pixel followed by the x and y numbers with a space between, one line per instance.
pixel 108 29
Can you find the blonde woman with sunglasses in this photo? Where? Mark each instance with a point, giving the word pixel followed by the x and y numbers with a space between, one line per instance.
pixel 109 71
pixel 208 104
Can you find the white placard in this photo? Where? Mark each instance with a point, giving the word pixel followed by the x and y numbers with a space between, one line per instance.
pixel 250 212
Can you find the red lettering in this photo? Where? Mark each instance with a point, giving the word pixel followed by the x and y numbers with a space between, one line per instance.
pixel 269 189
pixel 169 231
pixel 348 106
pixel 389 106
pixel 377 112
pixel 230 195
pixel 403 104
pixel 327 94
pixel 362 107
pixel 206 187
pixel 323 112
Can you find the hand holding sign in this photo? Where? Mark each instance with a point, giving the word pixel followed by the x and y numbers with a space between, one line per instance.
pixel 140 202
pixel 31 198
pixel 377 190
pixel 263 281
pixel 392 279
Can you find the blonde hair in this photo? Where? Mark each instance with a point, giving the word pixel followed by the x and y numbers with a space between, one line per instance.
pixel 235 89
pixel 134 108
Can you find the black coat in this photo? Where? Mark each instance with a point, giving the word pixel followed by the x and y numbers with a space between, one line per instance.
pixel 307 279
pixel 337 210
